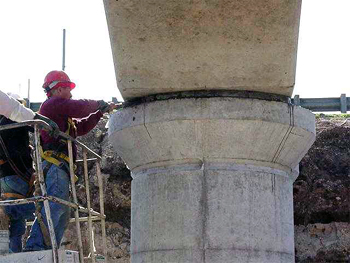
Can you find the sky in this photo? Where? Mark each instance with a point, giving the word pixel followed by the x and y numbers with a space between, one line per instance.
pixel 32 40
pixel 323 63
pixel 31 46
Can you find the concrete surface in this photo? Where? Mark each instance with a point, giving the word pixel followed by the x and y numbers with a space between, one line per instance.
pixel 314 239
pixel 44 256
pixel 212 178
pixel 4 241
pixel 176 45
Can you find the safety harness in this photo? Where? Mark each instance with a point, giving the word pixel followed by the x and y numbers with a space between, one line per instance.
pixel 57 157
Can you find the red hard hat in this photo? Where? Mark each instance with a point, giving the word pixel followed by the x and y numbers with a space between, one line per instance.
pixel 55 79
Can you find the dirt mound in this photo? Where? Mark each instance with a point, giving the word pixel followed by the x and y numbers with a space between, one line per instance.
pixel 321 192
pixel 322 196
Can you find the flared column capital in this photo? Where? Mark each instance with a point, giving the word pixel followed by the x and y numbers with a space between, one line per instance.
pixel 212 131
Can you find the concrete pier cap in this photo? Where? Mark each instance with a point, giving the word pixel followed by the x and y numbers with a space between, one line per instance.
pixel 176 45
pixel 208 131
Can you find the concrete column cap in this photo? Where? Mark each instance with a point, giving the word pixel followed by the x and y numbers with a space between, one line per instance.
pixel 163 133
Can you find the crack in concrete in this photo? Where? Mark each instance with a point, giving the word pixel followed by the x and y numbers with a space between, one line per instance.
pixel 204 205
pixel 144 120
pixel 286 135
pixel 273 182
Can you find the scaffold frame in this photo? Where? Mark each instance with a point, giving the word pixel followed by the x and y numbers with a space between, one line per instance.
pixel 45 198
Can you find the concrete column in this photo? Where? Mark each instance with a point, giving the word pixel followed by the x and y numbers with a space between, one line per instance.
pixel 208 133
pixel 212 177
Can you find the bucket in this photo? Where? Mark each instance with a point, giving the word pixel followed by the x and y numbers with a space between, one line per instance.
pixel 4 242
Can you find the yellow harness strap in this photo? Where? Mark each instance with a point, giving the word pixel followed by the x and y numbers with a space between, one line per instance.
pixel 71 124
pixel 48 155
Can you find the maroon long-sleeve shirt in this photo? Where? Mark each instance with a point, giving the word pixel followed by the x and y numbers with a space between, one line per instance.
pixel 84 113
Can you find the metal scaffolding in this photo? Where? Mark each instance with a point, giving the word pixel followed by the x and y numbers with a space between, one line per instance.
pixel 45 198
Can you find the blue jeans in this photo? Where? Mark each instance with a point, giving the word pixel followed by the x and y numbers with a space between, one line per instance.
pixel 57 184
pixel 18 213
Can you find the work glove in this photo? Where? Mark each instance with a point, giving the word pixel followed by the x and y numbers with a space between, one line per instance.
pixel 103 106
pixel 55 130
pixel 108 106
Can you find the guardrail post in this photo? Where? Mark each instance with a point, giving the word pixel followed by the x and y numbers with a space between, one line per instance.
pixel 296 100
pixel 343 104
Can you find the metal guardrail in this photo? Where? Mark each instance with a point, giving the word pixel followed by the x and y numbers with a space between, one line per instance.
pixel 34 106
pixel 45 198
pixel 341 104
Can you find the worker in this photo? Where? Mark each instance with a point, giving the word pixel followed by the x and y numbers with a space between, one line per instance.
pixel 16 169
pixel 15 111
pixel 76 118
